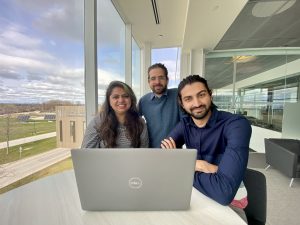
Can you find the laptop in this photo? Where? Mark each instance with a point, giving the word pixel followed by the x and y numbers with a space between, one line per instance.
pixel 134 179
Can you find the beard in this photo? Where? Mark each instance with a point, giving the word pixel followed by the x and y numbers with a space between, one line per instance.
pixel 199 115
pixel 159 91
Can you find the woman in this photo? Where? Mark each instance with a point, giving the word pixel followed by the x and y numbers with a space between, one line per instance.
pixel 118 124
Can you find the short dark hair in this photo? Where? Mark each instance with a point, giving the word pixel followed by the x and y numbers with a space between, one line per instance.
pixel 190 80
pixel 159 65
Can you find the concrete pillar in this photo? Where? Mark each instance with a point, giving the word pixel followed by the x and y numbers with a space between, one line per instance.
pixel 197 62
pixel 184 65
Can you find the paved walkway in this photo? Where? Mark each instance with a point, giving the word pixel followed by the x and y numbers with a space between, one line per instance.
pixel 14 171
pixel 27 140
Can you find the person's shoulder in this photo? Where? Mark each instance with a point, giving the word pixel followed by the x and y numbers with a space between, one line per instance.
pixel 173 90
pixel 233 118
pixel 145 97
pixel 185 120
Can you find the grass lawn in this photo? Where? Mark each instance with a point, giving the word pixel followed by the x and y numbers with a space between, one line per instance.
pixel 19 129
pixel 28 149
pixel 55 168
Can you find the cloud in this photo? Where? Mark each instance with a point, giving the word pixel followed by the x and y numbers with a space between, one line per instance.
pixel 68 85
pixel 13 34
pixel 62 20
pixel 38 51
pixel 72 77
pixel 9 74
pixel 15 62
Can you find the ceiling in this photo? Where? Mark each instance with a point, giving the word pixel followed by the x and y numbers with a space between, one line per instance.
pixel 217 25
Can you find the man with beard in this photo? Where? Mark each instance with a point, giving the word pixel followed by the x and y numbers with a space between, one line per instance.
pixel 159 107
pixel 221 139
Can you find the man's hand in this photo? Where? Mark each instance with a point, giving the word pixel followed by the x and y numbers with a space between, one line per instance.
pixel 168 143
pixel 201 165
pixel 205 167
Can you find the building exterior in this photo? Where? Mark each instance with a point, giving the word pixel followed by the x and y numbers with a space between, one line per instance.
pixel 70 126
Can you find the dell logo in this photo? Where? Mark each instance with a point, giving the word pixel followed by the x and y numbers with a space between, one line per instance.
pixel 135 182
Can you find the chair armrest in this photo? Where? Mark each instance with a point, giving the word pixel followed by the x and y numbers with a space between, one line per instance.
pixel 281 158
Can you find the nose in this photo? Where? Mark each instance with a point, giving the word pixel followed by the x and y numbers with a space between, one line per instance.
pixel 156 81
pixel 122 98
pixel 196 102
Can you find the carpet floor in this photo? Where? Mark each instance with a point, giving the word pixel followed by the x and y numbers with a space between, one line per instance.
pixel 283 202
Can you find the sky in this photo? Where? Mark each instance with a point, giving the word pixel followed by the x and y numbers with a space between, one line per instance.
pixel 42 55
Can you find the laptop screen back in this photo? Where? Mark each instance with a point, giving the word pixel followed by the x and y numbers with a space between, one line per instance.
pixel 134 179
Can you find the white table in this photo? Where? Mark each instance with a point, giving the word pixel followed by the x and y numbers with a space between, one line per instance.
pixel 54 200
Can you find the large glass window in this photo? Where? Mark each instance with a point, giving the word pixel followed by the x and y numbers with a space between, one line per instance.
pixel 256 83
pixel 111 46
pixel 170 58
pixel 41 67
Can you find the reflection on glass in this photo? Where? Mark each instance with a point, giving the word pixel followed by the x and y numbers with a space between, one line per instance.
pixel 263 84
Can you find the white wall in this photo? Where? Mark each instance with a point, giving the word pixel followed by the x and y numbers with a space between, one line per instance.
pixel 291 121
pixel 258 135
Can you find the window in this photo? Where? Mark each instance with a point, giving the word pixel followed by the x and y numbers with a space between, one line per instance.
pixel 60 131
pixel 111 46
pixel 136 69
pixel 265 80
pixel 170 58
pixel 73 131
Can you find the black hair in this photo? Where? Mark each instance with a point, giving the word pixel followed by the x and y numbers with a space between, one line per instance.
pixel 161 66
pixel 190 80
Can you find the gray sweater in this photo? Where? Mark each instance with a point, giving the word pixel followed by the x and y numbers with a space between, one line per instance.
pixel 92 138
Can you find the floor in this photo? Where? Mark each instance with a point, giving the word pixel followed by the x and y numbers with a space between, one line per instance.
pixel 283 202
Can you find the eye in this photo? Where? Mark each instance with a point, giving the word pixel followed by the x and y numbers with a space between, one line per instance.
pixel 125 96
pixel 202 94
pixel 187 99
pixel 115 96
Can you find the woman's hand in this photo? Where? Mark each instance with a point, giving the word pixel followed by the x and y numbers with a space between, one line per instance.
pixel 168 143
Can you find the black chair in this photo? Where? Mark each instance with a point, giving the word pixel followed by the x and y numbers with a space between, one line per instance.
pixel 284 155
pixel 256 210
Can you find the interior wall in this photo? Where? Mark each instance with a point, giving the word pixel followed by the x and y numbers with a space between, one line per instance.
pixel 258 136
pixel 290 121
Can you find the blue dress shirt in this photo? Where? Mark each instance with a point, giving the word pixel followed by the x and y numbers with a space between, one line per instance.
pixel 223 141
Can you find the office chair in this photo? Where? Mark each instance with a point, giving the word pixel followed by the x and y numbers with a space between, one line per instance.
pixel 256 210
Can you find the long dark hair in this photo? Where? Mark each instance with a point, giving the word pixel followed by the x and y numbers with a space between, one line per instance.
pixel 109 122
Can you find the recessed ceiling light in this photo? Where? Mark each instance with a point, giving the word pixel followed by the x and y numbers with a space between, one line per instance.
pixel 269 8
pixel 243 58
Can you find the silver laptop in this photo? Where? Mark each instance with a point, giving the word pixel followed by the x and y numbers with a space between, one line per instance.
pixel 134 179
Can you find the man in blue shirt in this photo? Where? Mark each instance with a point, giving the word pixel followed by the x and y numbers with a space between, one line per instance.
pixel 159 107
pixel 221 139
